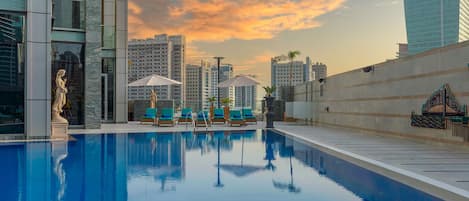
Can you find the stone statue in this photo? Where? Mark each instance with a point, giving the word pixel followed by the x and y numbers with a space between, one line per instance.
pixel 60 98
pixel 153 99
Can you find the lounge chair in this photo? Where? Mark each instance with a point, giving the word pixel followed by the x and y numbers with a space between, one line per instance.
pixel 186 115
pixel 218 116
pixel 202 118
pixel 166 117
pixel 236 118
pixel 248 116
pixel 149 116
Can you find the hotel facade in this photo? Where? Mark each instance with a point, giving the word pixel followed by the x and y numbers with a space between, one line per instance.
pixel 87 38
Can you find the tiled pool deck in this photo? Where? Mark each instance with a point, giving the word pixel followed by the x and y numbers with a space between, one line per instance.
pixel 442 169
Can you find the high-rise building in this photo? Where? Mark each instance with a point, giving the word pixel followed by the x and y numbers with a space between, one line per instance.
pixel 308 73
pixel 226 72
pixel 40 37
pixel 148 57
pixel 162 55
pixel 246 97
pixel 178 56
pixel 319 70
pixel 198 86
pixel 435 23
pixel 280 73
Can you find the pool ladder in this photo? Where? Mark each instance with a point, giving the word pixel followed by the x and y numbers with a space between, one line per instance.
pixel 205 121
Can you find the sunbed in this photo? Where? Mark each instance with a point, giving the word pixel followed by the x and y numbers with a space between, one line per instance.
pixel 149 116
pixel 166 117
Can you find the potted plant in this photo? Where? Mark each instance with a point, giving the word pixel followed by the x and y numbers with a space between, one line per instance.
pixel 269 103
pixel 212 100
pixel 269 90
pixel 226 102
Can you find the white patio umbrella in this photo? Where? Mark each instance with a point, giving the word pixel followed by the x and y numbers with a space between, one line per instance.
pixel 239 81
pixel 154 80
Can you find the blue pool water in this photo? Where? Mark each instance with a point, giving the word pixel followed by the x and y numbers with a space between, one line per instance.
pixel 238 166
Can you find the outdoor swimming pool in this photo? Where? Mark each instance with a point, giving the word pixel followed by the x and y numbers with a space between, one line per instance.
pixel 237 165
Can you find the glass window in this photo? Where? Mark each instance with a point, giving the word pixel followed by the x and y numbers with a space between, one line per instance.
pixel 107 89
pixel 11 73
pixel 70 56
pixel 69 14
pixel 13 5
pixel 109 37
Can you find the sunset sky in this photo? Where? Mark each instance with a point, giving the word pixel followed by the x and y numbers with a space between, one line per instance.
pixel 344 34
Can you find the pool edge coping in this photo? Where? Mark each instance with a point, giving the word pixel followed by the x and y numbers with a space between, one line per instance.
pixel 423 183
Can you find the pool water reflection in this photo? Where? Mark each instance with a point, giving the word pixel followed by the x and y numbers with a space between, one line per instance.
pixel 248 165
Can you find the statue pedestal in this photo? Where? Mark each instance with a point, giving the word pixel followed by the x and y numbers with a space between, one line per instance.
pixel 59 130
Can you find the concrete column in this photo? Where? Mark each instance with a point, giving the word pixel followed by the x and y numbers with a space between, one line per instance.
pixel 93 64
pixel 121 62
pixel 38 69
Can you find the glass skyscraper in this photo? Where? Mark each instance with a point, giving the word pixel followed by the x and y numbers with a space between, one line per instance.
pixel 435 23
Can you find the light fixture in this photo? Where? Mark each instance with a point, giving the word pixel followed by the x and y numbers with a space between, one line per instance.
pixel 368 69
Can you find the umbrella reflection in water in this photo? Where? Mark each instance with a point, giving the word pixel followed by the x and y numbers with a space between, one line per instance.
pixel 240 170
pixel 285 185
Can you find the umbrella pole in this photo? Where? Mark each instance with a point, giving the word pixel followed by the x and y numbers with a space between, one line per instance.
pixel 242 151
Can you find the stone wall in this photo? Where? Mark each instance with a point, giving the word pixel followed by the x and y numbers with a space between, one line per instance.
pixel 93 67
pixel 381 98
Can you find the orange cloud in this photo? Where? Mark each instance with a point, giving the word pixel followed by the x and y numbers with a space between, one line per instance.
pixel 134 8
pixel 194 54
pixel 219 20
pixel 258 62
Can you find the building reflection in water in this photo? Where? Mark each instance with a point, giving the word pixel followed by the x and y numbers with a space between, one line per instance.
pixel 160 156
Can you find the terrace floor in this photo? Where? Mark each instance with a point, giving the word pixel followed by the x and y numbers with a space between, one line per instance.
pixel 442 165
pixel 432 167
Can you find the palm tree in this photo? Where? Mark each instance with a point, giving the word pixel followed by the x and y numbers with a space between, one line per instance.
pixel 212 108
pixel 211 100
pixel 291 56
pixel 269 90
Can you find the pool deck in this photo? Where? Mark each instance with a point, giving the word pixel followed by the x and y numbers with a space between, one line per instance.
pixel 438 169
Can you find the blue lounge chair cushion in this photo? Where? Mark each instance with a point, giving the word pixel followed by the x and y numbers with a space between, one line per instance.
pixel 218 113
pixel 247 113
pixel 185 112
pixel 166 114
pixel 201 115
pixel 235 115
pixel 150 113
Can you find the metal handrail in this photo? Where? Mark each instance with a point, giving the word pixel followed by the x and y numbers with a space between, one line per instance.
pixel 189 113
pixel 205 121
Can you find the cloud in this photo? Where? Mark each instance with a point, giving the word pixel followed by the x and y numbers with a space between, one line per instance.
pixel 194 55
pixel 254 62
pixel 134 8
pixel 220 20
